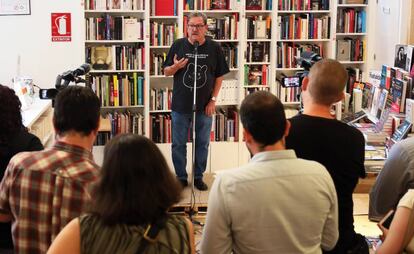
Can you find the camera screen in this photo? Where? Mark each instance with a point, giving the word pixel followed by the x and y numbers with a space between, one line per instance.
pixel 291 82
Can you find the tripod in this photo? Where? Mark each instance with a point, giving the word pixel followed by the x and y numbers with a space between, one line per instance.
pixel 192 211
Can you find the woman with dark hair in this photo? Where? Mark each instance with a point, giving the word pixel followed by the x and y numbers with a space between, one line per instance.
pixel 130 203
pixel 14 138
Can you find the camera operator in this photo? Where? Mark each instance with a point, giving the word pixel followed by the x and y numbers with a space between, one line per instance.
pixel 317 135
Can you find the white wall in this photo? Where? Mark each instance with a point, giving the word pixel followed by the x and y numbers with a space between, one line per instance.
pixel 391 24
pixel 30 37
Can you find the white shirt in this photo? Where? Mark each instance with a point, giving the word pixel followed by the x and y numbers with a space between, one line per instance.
pixel 276 203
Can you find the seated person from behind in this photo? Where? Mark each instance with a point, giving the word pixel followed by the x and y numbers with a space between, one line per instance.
pixel 276 203
pixel 399 237
pixel 14 138
pixel 393 181
pixel 135 190
pixel 317 135
pixel 56 182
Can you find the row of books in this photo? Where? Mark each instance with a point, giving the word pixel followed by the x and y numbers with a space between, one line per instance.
pixel 256 75
pixel 250 90
pixel 258 27
pixel 114 5
pixel 288 53
pixel 303 26
pixel 225 125
pixel 307 5
pixel 156 62
pixel 257 52
pixel 116 57
pixel 231 54
pixel 225 28
pixel 121 122
pixel 351 21
pixel 117 90
pixel 259 4
pixel 287 94
pixel 163 34
pixel 211 5
pixel 108 27
pixel 164 8
pixel 349 49
pixel 229 92
pixel 160 98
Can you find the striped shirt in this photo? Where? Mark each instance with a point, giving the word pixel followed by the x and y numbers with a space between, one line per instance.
pixel 45 190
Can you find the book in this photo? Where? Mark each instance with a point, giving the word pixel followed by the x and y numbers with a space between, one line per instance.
pixel 101 58
pixel 260 29
pixel 164 7
pixel 254 5
pixel 131 29
pixel 343 50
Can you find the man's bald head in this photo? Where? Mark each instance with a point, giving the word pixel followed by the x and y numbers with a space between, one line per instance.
pixel 327 80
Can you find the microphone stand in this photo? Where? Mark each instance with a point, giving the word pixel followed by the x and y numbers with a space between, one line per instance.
pixel 192 211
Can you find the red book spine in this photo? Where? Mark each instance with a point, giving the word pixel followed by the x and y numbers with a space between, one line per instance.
pixel 164 7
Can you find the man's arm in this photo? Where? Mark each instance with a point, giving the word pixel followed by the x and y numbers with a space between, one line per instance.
pixel 217 237
pixel 211 105
pixel 391 183
pixel 330 232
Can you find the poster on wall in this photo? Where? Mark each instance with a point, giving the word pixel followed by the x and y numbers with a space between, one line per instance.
pixel 14 7
pixel 61 27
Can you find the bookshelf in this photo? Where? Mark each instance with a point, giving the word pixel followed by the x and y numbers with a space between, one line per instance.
pixel 259 52
pixel 351 40
pixel 300 26
pixel 115 47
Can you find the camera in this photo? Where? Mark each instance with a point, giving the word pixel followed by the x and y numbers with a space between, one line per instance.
pixel 306 60
pixel 63 80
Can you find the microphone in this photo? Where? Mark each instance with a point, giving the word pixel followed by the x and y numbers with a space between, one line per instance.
pixel 196 44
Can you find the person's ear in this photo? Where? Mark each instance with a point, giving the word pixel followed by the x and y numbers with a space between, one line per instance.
pixel 247 136
pixel 305 83
pixel 287 128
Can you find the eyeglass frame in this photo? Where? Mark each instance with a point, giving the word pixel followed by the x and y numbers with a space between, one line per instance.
pixel 197 27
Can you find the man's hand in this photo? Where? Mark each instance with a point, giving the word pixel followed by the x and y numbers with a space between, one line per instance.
pixel 210 108
pixel 178 64
pixel 384 232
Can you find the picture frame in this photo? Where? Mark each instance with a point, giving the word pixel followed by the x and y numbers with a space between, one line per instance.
pixel 14 7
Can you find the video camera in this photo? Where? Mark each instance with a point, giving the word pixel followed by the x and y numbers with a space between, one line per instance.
pixel 63 80
pixel 306 60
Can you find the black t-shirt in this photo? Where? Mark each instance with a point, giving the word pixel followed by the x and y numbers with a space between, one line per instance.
pixel 340 148
pixel 211 64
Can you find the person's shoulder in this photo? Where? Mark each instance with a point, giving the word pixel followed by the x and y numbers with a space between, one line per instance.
pixel 180 41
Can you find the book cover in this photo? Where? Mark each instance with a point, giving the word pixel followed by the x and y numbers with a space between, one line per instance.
pixel 131 29
pixel 343 50
pixel 253 4
pixel 260 31
pixel 101 58
pixel 164 7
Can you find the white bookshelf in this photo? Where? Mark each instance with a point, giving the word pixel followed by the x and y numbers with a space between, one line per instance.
pixel 159 81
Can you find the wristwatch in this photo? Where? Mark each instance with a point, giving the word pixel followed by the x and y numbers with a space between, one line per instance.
pixel 213 98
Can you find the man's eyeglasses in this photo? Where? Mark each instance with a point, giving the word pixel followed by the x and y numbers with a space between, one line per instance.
pixel 198 27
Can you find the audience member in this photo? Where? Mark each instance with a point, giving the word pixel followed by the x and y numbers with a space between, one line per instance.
pixel 276 203
pixel 134 193
pixel 317 135
pixel 14 138
pixel 42 191
pixel 399 237
pixel 393 181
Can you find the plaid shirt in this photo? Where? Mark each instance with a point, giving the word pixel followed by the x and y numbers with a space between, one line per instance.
pixel 43 191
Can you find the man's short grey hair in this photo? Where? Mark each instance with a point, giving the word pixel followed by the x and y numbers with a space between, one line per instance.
pixel 198 14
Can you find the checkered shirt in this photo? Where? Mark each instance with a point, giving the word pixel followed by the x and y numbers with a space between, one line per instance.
pixel 43 191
